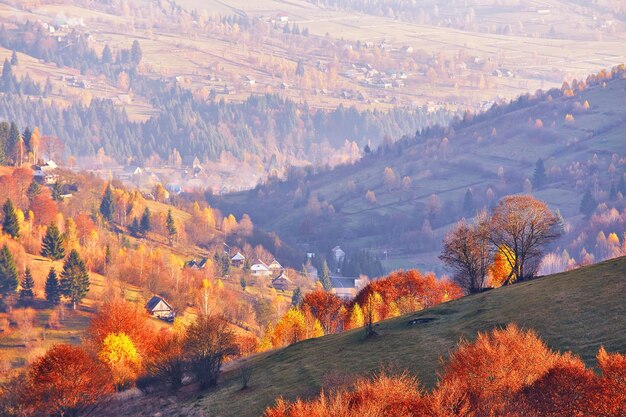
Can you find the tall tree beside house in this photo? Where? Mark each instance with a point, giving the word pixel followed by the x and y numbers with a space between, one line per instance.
pixel 10 224
pixel 107 206
pixel 52 244
pixel 27 284
pixel 325 277
pixel 171 226
pixel 8 272
pixel 74 278
pixel 53 292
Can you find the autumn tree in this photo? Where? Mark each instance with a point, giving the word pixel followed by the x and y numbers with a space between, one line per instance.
pixel 208 341
pixel 525 225
pixel 107 206
pixel 52 289
pixel 325 277
pixel 291 328
pixel 8 272
pixel 119 353
pixel 466 252
pixel 66 380
pixel 10 224
pixel 326 307
pixel 52 244
pixel 27 285
pixel 74 278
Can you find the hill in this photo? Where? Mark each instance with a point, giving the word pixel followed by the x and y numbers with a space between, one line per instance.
pixel 399 201
pixel 579 310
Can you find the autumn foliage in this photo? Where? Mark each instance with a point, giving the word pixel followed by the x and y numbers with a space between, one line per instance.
pixel 507 372
pixel 66 380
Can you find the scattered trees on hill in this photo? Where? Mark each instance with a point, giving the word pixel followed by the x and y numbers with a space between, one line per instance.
pixel 504 372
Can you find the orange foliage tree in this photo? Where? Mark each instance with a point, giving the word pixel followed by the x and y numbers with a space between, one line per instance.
pixel 66 380
pixel 326 307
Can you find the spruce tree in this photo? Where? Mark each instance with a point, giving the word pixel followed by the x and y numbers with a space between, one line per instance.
pixel 296 298
pixel 539 176
pixel 171 226
pixel 468 203
pixel 53 292
pixel 134 227
pixel 74 278
pixel 14 60
pixel 145 226
pixel 107 206
pixel 8 272
pixel 52 244
pixel 135 53
pixel 325 277
pixel 27 284
pixel 10 225
pixel 588 204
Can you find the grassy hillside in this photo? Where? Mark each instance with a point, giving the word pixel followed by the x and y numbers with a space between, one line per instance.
pixel 576 311
pixel 472 157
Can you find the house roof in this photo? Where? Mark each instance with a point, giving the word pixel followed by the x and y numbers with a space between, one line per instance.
pixel 343 282
pixel 238 257
pixel 282 277
pixel 154 301
pixel 275 264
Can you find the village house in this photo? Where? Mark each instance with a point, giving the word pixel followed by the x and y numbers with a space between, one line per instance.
pixel 238 260
pixel 282 17
pixel 275 266
pixel 159 308
pixel 193 264
pixel 344 287
pixel 260 269
pixel 281 282
pixel 45 173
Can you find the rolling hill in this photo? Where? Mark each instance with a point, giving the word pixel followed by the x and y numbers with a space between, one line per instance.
pixel 579 138
pixel 576 311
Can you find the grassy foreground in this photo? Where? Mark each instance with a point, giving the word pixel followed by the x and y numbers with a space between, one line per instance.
pixel 578 311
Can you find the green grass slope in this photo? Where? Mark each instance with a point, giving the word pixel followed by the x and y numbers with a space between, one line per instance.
pixel 576 311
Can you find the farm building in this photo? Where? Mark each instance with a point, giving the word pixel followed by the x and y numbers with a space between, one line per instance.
pixel 281 282
pixel 260 269
pixel 275 266
pixel 238 260
pixel 158 307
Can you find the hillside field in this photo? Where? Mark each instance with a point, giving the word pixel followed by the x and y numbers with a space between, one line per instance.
pixel 576 311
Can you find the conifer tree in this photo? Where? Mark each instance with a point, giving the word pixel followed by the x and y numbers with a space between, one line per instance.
pixel 14 60
pixel 468 203
pixel 296 298
pixel 325 277
pixel 27 284
pixel 588 204
pixel 52 244
pixel 171 226
pixel 74 278
pixel 8 272
pixel 145 226
pixel 539 175
pixel 10 224
pixel 53 292
pixel 107 206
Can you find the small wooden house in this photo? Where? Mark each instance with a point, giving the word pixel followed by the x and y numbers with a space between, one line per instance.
pixel 238 260
pixel 260 269
pixel 281 282
pixel 275 266
pixel 159 308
